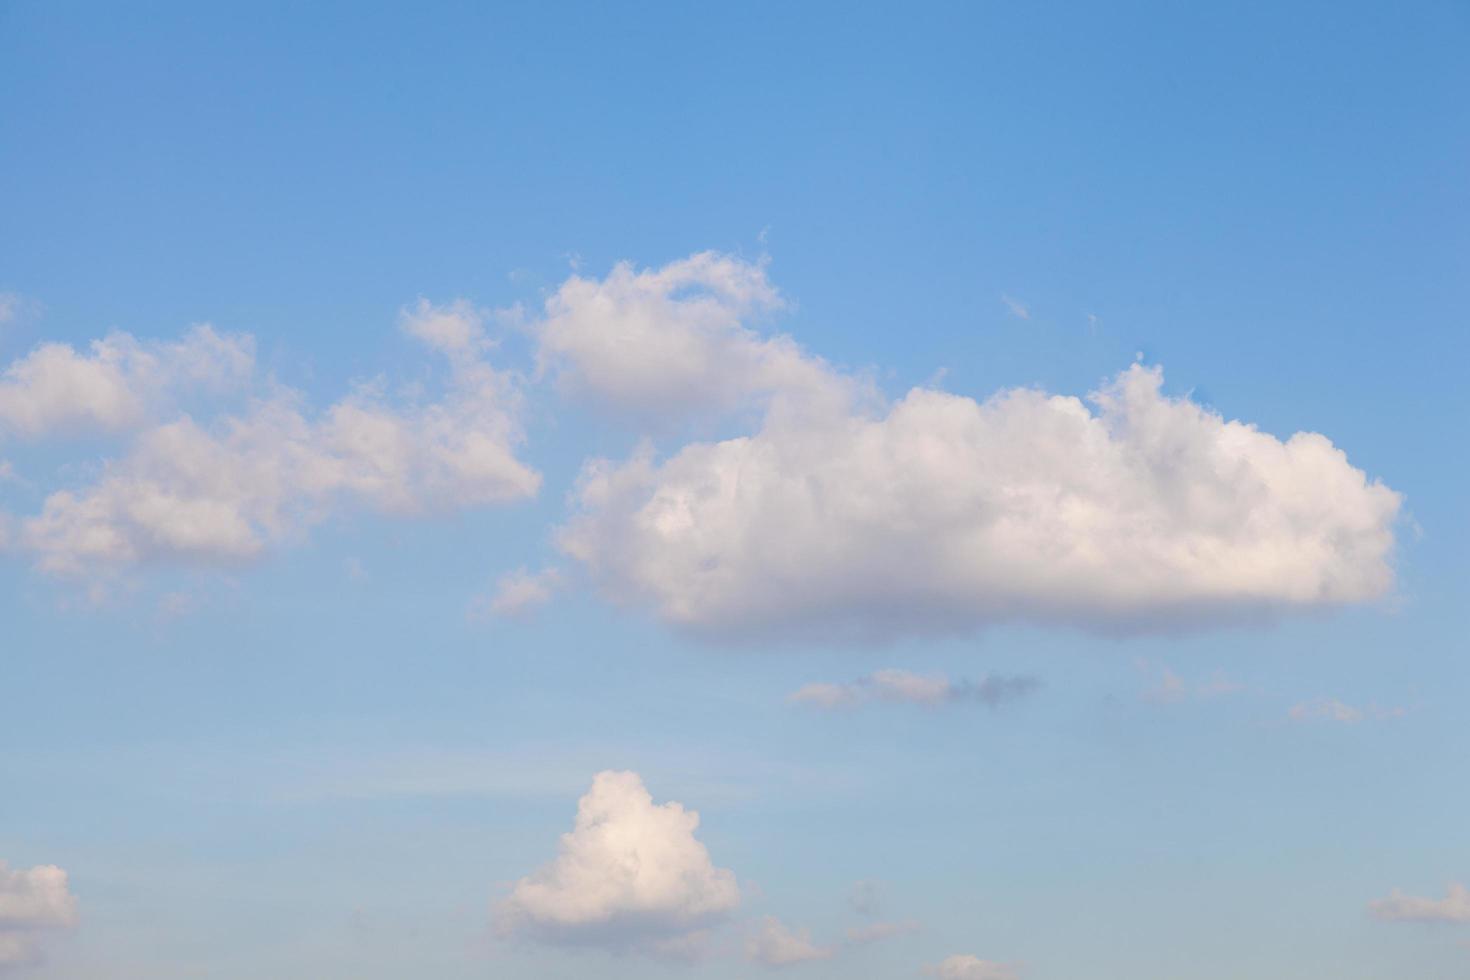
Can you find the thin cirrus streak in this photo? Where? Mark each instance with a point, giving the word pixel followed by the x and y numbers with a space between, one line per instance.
pixel 902 686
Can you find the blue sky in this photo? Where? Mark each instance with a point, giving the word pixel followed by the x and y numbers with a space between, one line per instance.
pixel 286 696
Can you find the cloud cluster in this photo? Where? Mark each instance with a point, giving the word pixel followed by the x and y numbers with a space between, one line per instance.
pixel 841 515
pixel 629 876
pixel 966 967
pixel 32 901
pixel 120 383
pixel 775 945
pixel 942 513
pixel 227 491
pixel 902 686
pixel 1398 907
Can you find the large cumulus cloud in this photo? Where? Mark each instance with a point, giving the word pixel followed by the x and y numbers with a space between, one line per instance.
pixel 1129 510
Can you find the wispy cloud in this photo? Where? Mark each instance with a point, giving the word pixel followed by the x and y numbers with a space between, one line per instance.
pixel 1399 907
pixel 966 967
pixel 777 944
pixel 1331 709
pixel 906 687
pixel 1167 687
pixel 517 595
pixel 873 932
pixel 1018 309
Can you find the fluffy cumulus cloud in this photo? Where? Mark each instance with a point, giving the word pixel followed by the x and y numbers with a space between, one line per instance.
pixel 906 687
pixel 939 512
pixel 678 339
pixel 118 383
pixel 631 875
pixel 965 967
pixel 227 490
pixel 32 901
pixel 776 945
pixel 1398 907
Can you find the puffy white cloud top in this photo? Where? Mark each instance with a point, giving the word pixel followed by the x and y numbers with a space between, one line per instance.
pixel 629 875
pixel 940 512
pixel 118 384
pixel 1399 907
pixel 31 900
pixel 669 340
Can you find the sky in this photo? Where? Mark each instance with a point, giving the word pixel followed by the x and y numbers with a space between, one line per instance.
pixel 842 491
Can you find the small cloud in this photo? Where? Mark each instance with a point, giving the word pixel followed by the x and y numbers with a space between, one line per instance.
pixel 1018 309
pixel 32 901
pixel 14 306
pixel 1170 688
pixel 354 569
pixel 1399 907
pixel 517 595
pixel 906 687
pixel 1092 323
pixel 453 328
pixel 1331 709
pixel 874 932
pixel 965 967
pixel 174 606
pixel 777 945
pixel 630 877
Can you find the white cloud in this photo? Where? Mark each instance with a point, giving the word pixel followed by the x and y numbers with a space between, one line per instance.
pixel 1331 709
pixel 120 383
pixel 10 305
pixel 32 900
pixel 456 328
pixel 629 876
pixel 1169 688
pixel 964 967
pixel 1398 907
pixel 777 945
pixel 518 594
pixel 942 513
pixel 1018 309
pixel 902 686
pixel 227 491
pixel 677 339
